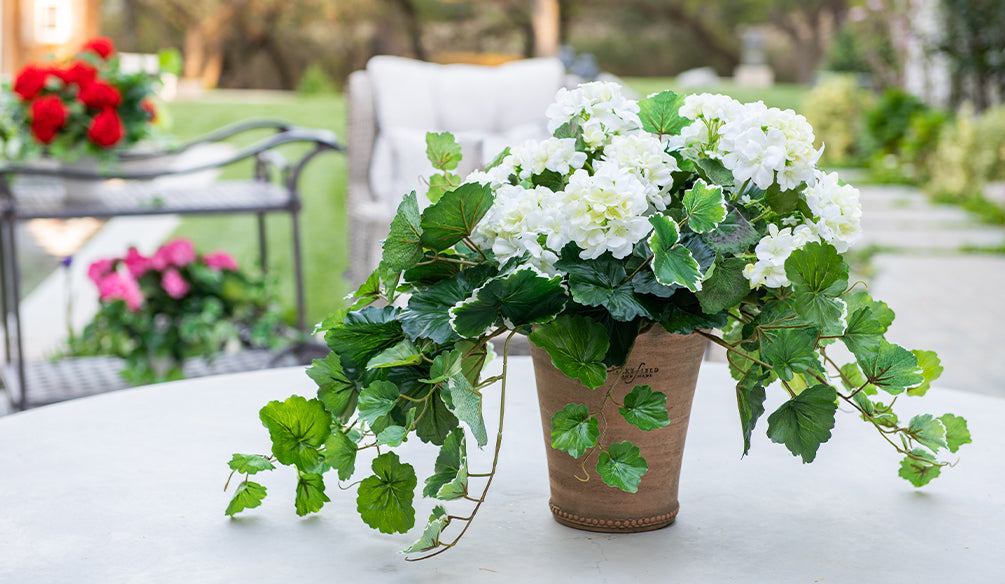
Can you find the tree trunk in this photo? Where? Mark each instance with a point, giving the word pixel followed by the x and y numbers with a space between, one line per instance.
pixel 545 16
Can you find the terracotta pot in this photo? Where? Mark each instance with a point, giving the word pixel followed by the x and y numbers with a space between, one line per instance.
pixel 667 363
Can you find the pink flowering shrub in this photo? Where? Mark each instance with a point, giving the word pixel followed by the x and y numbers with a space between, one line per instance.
pixel 173 305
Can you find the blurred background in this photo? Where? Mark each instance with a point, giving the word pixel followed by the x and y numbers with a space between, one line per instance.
pixel 906 95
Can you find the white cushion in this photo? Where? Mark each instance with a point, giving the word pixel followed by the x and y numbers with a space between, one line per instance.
pixel 402 92
pixel 525 89
pixel 467 98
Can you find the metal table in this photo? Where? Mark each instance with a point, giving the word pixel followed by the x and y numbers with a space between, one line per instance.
pixel 36 192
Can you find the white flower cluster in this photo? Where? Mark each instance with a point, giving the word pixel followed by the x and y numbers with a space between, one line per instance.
pixel 644 155
pixel 772 251
pixel 838 209
pixel 600 110
pixel 517 222
pixel 756 143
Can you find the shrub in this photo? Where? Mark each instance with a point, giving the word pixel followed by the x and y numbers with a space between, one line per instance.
pixel 834 109
pixel 963 163
pixel 888 121
pixel 315 81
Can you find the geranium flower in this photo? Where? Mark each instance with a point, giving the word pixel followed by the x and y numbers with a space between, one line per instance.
pixel 148 106
pixel 178 253
pixel 121 286
pixel 78 73
pixel 99 95
pixel 30 81
pixel 99 269
pixel 173 283
pixel 106 130
pixel 136 263
pixel 220 260
pixel 102 46
pixel 48 115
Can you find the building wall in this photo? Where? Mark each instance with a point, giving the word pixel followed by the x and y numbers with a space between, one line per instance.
pixel 75 20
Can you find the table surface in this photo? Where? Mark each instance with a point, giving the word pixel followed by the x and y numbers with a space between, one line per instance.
pixel 128 487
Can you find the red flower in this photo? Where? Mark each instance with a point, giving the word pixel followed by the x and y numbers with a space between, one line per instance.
pixel 48 115
pixel 106 130
pixel 79 72
pixel 99 95
pixel 148 106
pixel 100 45
pixel 31 80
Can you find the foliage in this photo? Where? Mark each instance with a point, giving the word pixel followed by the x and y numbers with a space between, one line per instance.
pixel 964 164
pixel 691 213
pixel 974 45
pixel 83 105
pixel 315 81
pixel 155 312
pixel 888 121
pixel 833 107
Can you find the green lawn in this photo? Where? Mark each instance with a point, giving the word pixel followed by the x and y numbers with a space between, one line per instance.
pixel 323 229
pixel 780 95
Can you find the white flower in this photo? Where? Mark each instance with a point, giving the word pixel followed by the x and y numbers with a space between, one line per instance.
pixel 838 208
pixel 643 154
pixel 606 211
pixel 772 251
pixel 599 108
pixel 517 221
pixel 554 154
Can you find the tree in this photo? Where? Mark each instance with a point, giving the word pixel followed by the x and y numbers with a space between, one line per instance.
pixel 975 45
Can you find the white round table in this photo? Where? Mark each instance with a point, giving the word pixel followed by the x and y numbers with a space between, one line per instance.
pixel 128 487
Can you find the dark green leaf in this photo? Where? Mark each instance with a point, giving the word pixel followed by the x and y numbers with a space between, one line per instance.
pixel 384 499
pixel 781 202
pixel 672 262
pixel 340 454
pixel 364 334
pixel 601 282
pixel 750 397
pixel 577 346
pixel 660 113
pixel 454 216
pixel 733 235
pixel 428 316
pixel 646 409
pixel 402 248
pixel 377 400
pixel 310 494
pixel 248 496
pixel 436 421
pixel 519 298
pixel 622 466
pixel 891 367
pixel 864 331
pixel 250 463
pixel 804 422
pixel 337 393
pixel 818 276
pixel 724 286
pixel 402 354
pixel 298 427
pixel 450 474
pixel 791 351
pixel 714 171
pixel 574 430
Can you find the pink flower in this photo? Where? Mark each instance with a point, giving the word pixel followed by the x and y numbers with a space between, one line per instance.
pixel 120 286
pixel 178 253
pixel 137 263
pixel 220 260
pixel 98 270
pixel 175 286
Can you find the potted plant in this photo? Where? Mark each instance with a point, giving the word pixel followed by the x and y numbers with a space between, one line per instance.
pixel 81 110
pixel 157 311
pixel 648 227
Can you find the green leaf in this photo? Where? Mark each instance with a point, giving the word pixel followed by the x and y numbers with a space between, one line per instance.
pixel 377 400
pixel 574 430
pixel 366 294
pixel 705 206
pixel 864 332
pixel 957 433
pixel 438 521
pixel 428 312
pixel 298 427
pixel 392 436
pixel 337 393
pixel 440 184
pixel 465 402
pixel 713 170
pixel 601 282
pixel 340 454
pixel 891 367
pixel 365 333
pixel 750 397
pixel 733 235
pixel 402 354
pixel 791 351
pixel 931 369
pixel 660 113
pixel 250 463
pixel 804 422
pixel 577 346
pixel 310 494
pixel 818 276
pixel 402 248
pixel 519 298
pixel 248 496
pixel 450 473
pixel 928 431
pixel 646 409
pixel 434 420
pixel 724 286
pixel 454 216
pixel 622 466
pixel 781 202
pixel 384 499
pixel 919 472
pixel 672 263
pixel 442 150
